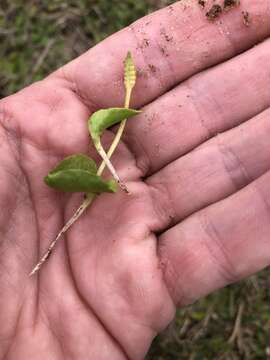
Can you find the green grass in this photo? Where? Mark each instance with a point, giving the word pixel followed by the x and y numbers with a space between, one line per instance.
pixel 203 331
pixel 36 38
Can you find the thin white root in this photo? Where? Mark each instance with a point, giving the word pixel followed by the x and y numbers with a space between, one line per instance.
pixel 110 166
pixel 81 209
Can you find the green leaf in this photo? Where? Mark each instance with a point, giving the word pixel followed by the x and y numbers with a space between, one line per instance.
pixel 78 161
pixel 78 173
pixel 103 119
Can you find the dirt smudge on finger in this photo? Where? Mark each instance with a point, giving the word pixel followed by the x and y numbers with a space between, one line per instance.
pixel 214 12
pixel 230 4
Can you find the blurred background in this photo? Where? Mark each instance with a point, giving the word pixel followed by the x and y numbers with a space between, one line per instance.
pixel 37 37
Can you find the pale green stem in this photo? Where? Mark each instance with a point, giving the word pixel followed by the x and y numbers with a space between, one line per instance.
pixel 106 157
pixel 119 133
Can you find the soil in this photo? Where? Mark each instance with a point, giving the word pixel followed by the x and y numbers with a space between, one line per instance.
pixel 230 4
pixel 167 37
pixel 246 18
pixel 202 3
pixel 152 68
pixel 164 51
pixel 214 12
pixel 146 42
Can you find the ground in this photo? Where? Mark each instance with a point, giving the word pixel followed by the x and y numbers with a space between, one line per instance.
pixel 38 37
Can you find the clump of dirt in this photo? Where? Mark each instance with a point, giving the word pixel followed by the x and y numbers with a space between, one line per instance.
pixel 167 37
pixel 246 18
pixel 202 3
pixel 152 68
pixel 146 42
pixel 214 12
pixel 164 51
pixel 230 4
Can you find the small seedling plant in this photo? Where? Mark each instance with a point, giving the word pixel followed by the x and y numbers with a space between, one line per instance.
pixel 79 173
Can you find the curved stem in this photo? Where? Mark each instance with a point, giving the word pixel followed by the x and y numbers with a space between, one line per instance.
pixel 118 135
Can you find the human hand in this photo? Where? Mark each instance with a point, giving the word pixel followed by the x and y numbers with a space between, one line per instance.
pixel 198 216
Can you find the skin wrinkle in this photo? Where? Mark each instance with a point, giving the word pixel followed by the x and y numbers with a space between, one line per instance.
pixel 38 244
pixel 54 334
pixel 144 166
pixel 53 103
pixel 16 136
pixel 12 131
pixel 58 338
pixel 262 197
pixel 224 266
pixel 10 207
pixel 44 318
pixel 22 255
pixel 15 150
pixel 50 327
pixel 71 84
pixel 9 347
pixel 164 210
pixel 18 320
pixel 170 276
pixel 48 146
pixel 89 103
pixel 232 163
pixel 154 328
pixel 16 327
pixel 38 247
pixel 211 132
pixel 195 105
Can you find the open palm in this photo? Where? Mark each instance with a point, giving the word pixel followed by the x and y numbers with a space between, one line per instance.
pixel 198 215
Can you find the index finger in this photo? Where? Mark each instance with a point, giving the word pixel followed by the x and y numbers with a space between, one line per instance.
pixel 168 46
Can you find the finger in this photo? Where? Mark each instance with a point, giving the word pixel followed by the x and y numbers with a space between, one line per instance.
pixel 168 47
pixel 209 103
pixel 215 170
pixel 223 243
